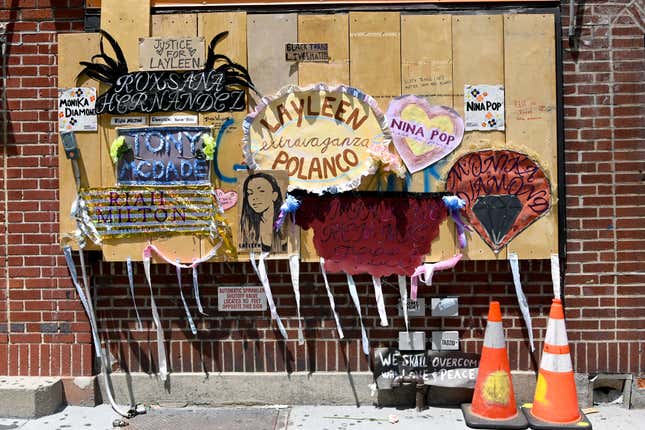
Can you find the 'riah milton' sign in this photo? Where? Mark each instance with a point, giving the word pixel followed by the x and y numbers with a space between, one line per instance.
pixel 445 369
pixel 171 53
pixel 164 156
pixel 130 211
pixel 211 89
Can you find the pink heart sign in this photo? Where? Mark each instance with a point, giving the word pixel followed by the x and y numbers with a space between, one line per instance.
pixel 423 133
pixel 227 199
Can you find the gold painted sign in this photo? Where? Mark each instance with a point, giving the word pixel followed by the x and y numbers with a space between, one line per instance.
pixel 140 210
pixel 321 136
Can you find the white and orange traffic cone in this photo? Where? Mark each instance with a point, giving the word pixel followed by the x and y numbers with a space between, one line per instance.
pixel 493 405
pixel 555 405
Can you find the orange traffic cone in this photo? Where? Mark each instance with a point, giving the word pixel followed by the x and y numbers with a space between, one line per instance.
pixel 555 405
pixel 493 405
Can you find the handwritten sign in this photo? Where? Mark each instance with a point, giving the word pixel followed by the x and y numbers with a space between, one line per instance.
pixel 76 109
pixel 121 121
pixel 164 155
pixel 445 369
pixel 484 107
pixel 171 53
pixel 320 136
pixel 145 92
pixel 307 52
pixel 422 133
pixel 130 211
pixel 212 89
pixel 238 299
pixel 227 199
pixel 376 234
pixel 504 191
pixel 173 119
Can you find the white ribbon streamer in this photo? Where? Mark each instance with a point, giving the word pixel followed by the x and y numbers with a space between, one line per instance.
pixel 191 323
pixel 403 291
pixel 555 275
pixel 261 271
pixel 134 302
pixel 294 267
pixel 89 310
pixel 196 291
pixel 357 304
pixel 521 298
pixel 380 304
pixel 331 298
pixel 161 351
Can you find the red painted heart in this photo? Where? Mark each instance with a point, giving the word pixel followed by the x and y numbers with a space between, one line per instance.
pixel 504 191
pixel 422 133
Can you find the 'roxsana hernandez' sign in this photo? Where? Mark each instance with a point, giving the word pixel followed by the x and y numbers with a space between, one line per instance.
pixel 220 89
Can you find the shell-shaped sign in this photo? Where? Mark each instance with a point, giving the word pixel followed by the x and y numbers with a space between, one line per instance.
pixel 321 136
pixel 505 192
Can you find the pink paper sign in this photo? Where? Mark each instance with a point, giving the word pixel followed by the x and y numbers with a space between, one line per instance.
pixel 227 199
pixel 422 133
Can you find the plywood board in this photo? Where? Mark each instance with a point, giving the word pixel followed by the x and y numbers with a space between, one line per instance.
pixel 333 30
pixel 426 71
pixel 126 25
pixel 266 36
pixel 478 58
pixel 230 147
pixel 73 48
pixel 330 29
pixel 531 116
pixel 375 63
pixel 375 54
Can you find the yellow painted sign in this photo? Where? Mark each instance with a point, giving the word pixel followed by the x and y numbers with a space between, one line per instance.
pixel 321 136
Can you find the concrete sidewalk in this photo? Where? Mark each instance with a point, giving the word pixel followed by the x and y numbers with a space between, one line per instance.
pixel 289 418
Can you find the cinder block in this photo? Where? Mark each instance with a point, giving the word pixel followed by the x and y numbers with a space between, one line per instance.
pixel 30 397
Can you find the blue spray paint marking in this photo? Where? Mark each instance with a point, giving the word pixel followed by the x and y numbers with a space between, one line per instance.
pixel 431 172
pixel 391 182
pixel 408 181
pixel 218 140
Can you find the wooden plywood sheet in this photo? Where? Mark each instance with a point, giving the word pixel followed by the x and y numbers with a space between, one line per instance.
pixel 426 71
pixel 531 116
pixel 73 48
pixel 478 58
pixel 375 54
pixel 330 29
pixel 375 63
pixel 229 149
pixel 266 36
pixel 333 30
pixel 176 24
pixel 126 25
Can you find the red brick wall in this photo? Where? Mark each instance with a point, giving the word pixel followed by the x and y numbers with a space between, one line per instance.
pixel 43 330
pixel 45 327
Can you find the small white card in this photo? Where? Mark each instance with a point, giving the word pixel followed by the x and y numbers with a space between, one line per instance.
pixel 445 340
pixel 484 107
pixel 76 109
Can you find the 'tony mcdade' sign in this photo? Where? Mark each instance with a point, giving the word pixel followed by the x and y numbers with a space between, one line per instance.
pixel 319 135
